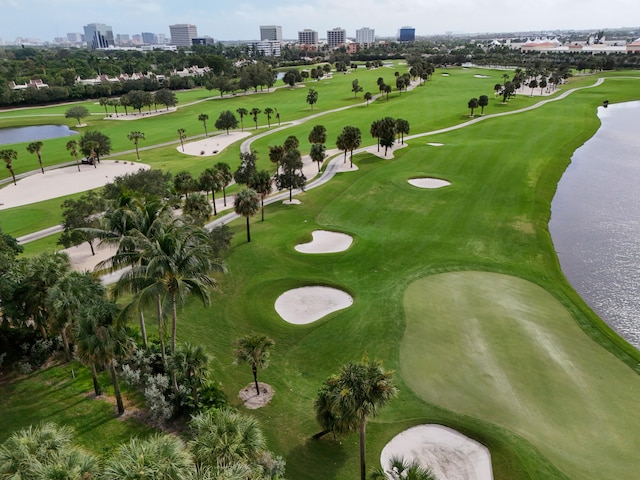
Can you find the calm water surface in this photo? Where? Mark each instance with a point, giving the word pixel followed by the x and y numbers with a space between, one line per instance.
pixel 595 220
pixel 31 134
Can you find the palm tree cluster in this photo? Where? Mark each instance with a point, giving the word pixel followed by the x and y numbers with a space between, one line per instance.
pixel 386 129
pixel 222 444
pixel 290 175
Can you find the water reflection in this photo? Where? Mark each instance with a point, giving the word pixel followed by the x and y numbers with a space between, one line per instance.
pixel 595 221
pixel 31 134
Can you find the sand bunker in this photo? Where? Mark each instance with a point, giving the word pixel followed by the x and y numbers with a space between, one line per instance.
pixel 447 453
pixel 428 182
pixel 308 304
pixel 326 242
pixel 481 76
pixel 211 145
pixel 432 144
pixel 293 201
pixel 64 181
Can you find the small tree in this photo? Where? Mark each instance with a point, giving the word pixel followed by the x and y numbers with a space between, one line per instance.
pixel 36 147
pixel 224 170
pixel 80 220
pixel 355 87
pixel 72 148
pixel 317 153
pixel 247 167
pixel 76 112
pixel 9 156
pixel 242 112
pixel 291 175
pixel 312 97
pixel 268 112
pixel 473 104
pixel 255 112
pixel 262 183
pixel 402 128
pixel 318 134
pixel 254 350
pixel 368 97
pixel 483 101
pixel 182 135
pixel 226 121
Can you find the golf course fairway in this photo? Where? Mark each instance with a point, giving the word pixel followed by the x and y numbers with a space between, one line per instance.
pixel 502 349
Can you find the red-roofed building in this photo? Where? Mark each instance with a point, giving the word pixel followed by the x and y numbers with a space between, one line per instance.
pixel 634 47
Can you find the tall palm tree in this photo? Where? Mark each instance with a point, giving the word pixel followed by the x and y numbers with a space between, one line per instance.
pixel 312 97
pixel 357 393
pixel 9 156
pixel 268 112
pixel 276 154
pixel 472 104
pixel 318 134
pixel 36 148
pixel 72 147
pixel 317 153
pixel 203 117
pixel 242 112
pixel 158 457
pixel 246 204
pixel 136 137
pixel 182 135
pixel 255 112
pixel 262 183
pixel 210 181
pixel 225 178
pixel 222 438
pixel 68 297
pixel 190 362
pixel 100 341
pixel 402 128
pixel 254 350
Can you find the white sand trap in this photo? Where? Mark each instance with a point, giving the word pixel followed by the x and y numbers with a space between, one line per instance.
pixel 481 76
pixel 432 144
pixel 212 145
pixel 444 74
pixel 64 181
pixel 326 242
pixel 447 453
pixel 428 182
pixel 295 201
pixel 308 304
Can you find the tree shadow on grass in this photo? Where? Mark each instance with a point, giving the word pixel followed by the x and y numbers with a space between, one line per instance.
pixel 325 455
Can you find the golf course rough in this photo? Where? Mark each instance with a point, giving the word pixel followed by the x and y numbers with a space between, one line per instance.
pixel 504 350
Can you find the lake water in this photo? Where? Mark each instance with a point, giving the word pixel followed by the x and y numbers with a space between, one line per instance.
pixel 595 220
pixel 31 134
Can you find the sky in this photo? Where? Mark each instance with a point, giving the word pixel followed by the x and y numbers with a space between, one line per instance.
pixel 241 19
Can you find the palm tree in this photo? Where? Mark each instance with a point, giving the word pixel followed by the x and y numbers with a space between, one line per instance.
pixel 223 438
pixel 262 183
pixel 203 117
pixel 276 154
pixel 45 451
pixel 402 127
pixel 158 457
pixel 72 147
pixel 182 135
pixel 354 395
pixel 100 341
pixel 9 156
pixel 473 104
pixel 136 137
pixel 318 134
pixel 246 204
pixel 268 112
pixel 242 112
pixel 317 153
pixel 66 299
pixel 368 96
pixel 211 181
pixel 312 97
pixel 104 101
pixel 225 178
pixel 254 350
pixel 348 140
pixel 36 147
pixel 401 469
pixel 190 363
pixel 483 101
pixel 255 112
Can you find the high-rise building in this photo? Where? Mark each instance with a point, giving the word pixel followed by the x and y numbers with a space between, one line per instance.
pixel 336 37
pixel 271 32
pixel 123 39
pixel 74 37
pixel 365 35
pixel 98 35
pixel 148 38
pixel 407 34
pixel 182 34
pixel 203 41
pixel 267 48
pixel 308 37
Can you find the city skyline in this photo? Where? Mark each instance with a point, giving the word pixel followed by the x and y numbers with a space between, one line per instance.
pixel 46 20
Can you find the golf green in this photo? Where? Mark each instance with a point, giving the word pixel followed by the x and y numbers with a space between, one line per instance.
pixel 504 350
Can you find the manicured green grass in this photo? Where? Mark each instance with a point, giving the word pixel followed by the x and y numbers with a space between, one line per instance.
pixel 493 218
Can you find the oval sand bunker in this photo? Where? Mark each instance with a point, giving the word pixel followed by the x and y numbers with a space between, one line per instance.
pixel 428 182
pixel 308 304
pixel 326 242
pixel 446 452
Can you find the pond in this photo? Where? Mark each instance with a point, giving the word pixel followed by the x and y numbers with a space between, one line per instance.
pixel 34 133
pixel 595 220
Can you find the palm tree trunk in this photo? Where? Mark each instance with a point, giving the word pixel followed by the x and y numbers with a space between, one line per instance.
pixel 161 332
pixel 174 323
pixel 213 199
pixel 116 388
pixel 143 328
pixel 254 369
pixel 96 384
pixel 363 429
pixel 65 342
pixel 262 206
pixel 248 232
pixel 321 434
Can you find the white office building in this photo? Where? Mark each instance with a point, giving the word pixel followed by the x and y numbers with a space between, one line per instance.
pixel 336 37
pixel 182 34
pixel 365 35
pixel 308 37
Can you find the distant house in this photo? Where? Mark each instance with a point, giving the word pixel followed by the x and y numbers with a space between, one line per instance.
pixel 35 83
pixel 634 47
